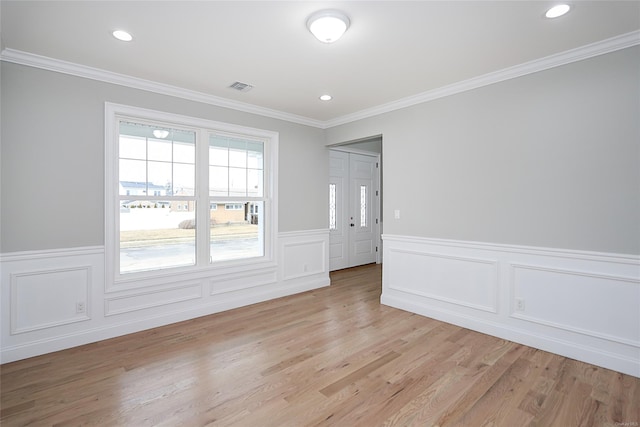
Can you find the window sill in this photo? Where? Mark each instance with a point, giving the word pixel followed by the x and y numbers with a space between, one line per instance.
pixel 162 277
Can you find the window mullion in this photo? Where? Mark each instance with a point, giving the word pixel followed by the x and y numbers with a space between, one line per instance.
pixel 202 198
pixel 166 237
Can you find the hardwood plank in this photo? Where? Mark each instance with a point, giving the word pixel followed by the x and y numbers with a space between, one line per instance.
pixel 329 357
pixel 480 388
pixel 359 373
pixel 500 399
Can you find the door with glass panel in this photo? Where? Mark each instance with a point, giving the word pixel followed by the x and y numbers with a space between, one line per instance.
pixel 353 198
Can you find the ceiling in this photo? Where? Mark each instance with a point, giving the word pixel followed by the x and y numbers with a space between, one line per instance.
pixel 391 51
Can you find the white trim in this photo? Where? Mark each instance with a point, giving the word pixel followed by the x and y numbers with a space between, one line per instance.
pixel 130 310
pixel 567 348
pixel 346 149
pixel 78 70
pixel 194 284
pixel 97 332
pixel 346 144
pixel 571 272
pixel 13 279
pixel 376 219
pixel 173 275
pixel 493 308
pixel 579 304
pixel 252 279
pixel 322 243
pixel 531 250
pixel 297 254
pixel 573 55
pixel 50 253
pixel 117 282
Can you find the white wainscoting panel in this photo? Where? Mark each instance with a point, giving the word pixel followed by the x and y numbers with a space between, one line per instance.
pixel 470 282
pixel 40 292
pixel 304 254
pixel 583 305
pixel 47 298
pixel 238 281
pixel 154 298
pixel 579 301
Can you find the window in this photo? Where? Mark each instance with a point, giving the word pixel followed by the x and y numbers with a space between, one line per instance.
pixel 151 239
pixel 179 169
pixel 332 207
pixel 363 206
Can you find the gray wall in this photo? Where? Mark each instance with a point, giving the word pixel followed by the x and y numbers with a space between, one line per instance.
pixel 373 145
pixel 52 161
pixel 551 159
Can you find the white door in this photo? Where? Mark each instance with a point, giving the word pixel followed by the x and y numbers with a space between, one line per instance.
pixel 353 208
pixel 362 196
pixel 338 210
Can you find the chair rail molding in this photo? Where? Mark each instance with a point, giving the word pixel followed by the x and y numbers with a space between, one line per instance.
pixel 579 304
pixel 56 299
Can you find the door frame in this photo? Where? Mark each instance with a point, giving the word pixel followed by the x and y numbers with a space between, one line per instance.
pixel 377 208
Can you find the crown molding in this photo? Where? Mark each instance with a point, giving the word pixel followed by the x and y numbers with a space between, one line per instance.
pixel 578 54
pixel 584 52
pixel 65 67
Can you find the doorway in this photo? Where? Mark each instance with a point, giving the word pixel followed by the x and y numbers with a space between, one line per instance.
pixel 354 208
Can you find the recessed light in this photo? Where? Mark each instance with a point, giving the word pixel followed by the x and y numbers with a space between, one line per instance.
pixel 326 97
pixel 557 10
pixel 122 35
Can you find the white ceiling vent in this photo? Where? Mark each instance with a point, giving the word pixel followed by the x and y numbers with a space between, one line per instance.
pixel 242 87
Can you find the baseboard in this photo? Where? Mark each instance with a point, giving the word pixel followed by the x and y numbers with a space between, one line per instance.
pixel 91 335
pixel 595 356
pixel 52 300
pixel 582 305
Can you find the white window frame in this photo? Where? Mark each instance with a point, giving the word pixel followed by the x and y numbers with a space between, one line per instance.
pixel 202 268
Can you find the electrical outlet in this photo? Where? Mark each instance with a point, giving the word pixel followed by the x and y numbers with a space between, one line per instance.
pixel 520 304
pixel 81 307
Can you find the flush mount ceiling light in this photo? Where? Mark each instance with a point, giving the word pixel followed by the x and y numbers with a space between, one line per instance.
pixel 326 97
pixel 557 11
pixel 122 35
pixel 328 25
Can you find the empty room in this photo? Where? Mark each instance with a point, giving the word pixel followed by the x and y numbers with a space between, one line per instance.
pixel 297 213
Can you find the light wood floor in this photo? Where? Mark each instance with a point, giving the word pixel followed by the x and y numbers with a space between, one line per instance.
pixel 331 357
